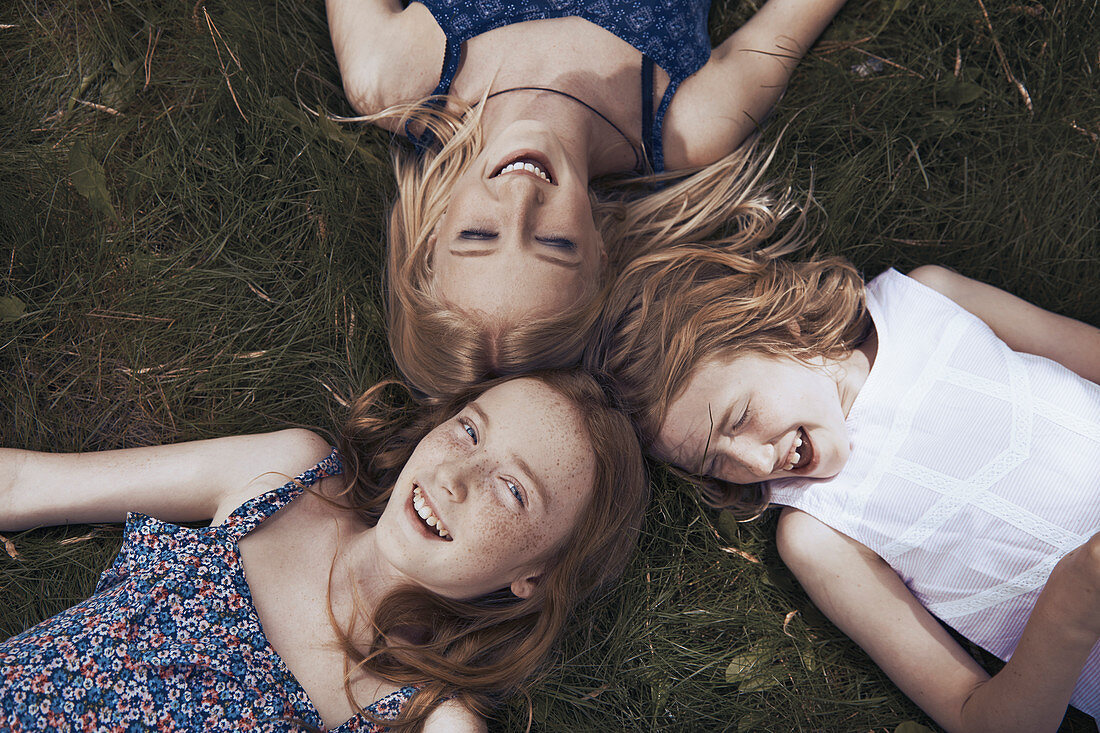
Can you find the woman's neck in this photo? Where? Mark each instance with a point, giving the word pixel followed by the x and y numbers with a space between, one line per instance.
pixel 599 147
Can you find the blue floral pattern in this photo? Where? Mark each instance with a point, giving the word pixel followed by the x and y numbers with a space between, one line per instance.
pixel 170 641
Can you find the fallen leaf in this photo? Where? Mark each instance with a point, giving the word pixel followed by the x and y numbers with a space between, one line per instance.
pixel 89 179
pixel 11 308
pixel 9 546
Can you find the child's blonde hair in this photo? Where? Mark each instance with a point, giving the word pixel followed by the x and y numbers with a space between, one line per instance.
pixel 672 310
pixel 481 650
pixel 441 349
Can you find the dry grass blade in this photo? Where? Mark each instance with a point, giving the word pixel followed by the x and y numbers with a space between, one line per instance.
pixel 1004 61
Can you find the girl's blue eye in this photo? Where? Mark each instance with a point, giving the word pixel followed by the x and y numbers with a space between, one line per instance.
pixel 515 491
pixel 470 431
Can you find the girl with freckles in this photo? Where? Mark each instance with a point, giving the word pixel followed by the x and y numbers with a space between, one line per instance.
pixel 499 243
pixel 931 441
pixel 409 580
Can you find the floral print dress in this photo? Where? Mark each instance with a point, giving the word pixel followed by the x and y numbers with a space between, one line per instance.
pixel 170 641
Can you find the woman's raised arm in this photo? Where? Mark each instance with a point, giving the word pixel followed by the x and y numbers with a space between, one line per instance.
pixel 733 94
pixel 386 54
pixel 182 482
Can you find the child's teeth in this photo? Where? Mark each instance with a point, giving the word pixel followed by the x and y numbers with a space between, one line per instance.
pixel 424 511
pixel 797 442
pixel 431 520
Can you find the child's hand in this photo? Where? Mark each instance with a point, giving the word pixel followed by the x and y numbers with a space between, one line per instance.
pixel 1074 590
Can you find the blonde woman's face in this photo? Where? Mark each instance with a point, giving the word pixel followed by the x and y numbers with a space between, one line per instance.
pixel 517 240
pixel 488 495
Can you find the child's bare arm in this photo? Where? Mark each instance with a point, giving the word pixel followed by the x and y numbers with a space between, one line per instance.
pixel 386 54
pixel 726 100
pixel 1021 325
pixel 182 482
pixel 863 596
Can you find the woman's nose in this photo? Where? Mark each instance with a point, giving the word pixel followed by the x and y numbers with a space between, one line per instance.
pixel 519 190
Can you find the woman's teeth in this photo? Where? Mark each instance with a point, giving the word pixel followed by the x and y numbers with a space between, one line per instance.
pixel 521 165
pixel 425 513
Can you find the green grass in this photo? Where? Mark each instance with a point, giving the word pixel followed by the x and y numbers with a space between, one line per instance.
pixel 221 274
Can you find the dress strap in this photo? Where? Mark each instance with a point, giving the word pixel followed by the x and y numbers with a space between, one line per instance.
pixel 253 512
pixel 647 112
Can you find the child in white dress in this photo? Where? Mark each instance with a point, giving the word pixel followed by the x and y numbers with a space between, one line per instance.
pixel 932 438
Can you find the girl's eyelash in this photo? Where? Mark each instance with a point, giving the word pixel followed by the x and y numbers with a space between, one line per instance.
pixel 470 429
pixel 744 419
pixel 516 492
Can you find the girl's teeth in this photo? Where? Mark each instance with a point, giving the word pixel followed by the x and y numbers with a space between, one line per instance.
pixel 425 513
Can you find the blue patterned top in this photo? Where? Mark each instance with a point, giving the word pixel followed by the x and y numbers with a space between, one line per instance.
pixel 170 641
pixel 670 33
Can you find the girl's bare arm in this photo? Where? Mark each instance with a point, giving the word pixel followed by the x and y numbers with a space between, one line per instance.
pixel 1021 325
pixel 863 596
pixel 386 54
pixel 726 100
pixel 182 482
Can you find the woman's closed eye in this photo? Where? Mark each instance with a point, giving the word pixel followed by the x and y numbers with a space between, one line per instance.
pixel 558 242
pixel 477 234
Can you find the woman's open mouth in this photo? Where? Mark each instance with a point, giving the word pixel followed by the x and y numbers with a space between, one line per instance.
pixel 432 525
pixel 527 163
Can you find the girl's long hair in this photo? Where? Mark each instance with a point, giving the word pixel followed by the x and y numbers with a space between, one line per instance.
pixel 478 652
pixel 671 310
pixel 441 349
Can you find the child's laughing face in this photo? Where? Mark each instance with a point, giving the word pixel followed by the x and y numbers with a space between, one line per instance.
pixel 755 417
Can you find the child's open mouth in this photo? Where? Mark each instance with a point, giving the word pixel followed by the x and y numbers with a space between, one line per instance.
pixel 803 451
pixel 427 517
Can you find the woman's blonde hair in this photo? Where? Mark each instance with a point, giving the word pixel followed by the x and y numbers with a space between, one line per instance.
pixel 441 349
pixel 477 652
pixel 672 310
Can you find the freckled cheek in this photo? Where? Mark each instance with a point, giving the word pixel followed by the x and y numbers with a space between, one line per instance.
pixel 504 542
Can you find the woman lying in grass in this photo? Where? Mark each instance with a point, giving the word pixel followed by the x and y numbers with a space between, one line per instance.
pixel 497 244
pixel 410 580
pixel 932 439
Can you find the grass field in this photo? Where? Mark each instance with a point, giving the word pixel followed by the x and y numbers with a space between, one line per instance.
pixel 186 253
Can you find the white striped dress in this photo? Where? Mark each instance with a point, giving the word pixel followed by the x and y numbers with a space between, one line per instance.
pixel 974 468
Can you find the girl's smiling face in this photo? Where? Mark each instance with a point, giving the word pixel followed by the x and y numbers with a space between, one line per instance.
pixel 488 496
pixel 755 417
